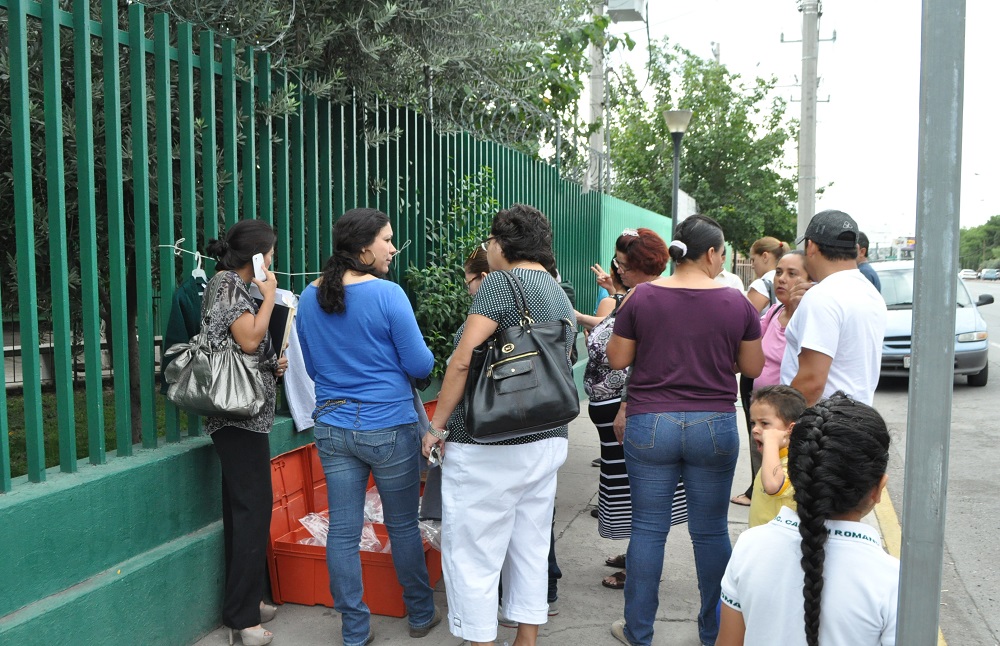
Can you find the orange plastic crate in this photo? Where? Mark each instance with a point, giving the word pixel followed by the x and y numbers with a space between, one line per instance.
pixel 298 572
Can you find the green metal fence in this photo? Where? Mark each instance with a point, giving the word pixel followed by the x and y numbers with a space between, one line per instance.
pixel 212 151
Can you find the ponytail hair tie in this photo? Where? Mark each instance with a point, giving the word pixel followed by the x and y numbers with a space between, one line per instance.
pixel 680 245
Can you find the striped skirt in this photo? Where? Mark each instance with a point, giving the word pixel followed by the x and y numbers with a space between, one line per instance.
pixel 615 498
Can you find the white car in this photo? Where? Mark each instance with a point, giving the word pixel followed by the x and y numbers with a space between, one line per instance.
pixel 968 274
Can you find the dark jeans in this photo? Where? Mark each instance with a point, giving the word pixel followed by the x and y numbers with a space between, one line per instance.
pixel 246 521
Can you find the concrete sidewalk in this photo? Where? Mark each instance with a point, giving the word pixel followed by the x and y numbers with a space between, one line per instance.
pixel 586 608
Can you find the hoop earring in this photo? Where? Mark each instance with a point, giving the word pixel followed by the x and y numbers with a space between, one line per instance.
pixel 362 258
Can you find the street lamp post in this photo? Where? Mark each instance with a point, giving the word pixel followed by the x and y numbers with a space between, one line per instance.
pixel 677 123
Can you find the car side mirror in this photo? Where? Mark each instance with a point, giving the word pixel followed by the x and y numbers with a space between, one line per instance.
pixel 984 299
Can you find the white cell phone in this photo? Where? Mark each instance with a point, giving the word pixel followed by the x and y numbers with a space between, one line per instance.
pixel 258 267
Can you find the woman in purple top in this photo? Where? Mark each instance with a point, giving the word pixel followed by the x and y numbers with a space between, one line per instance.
pixel 790 272
pixel 686 337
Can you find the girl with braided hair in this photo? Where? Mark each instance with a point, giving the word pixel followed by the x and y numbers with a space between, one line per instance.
pixel 843 584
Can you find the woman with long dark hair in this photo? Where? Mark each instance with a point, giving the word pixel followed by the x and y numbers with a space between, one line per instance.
pixel 242 445
pixel 361 346
pixel 685 337
pixel 497 498
pixel 819 575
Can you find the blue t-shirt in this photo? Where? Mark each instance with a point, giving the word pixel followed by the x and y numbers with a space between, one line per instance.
pixel 872 275
pixel 365 355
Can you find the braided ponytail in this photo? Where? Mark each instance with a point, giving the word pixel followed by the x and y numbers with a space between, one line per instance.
pixel 837 454
pixel 354 230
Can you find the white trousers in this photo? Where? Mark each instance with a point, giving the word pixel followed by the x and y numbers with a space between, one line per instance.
pixel 496 504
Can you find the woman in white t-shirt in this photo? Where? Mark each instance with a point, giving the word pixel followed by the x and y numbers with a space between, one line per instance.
pixel 821 559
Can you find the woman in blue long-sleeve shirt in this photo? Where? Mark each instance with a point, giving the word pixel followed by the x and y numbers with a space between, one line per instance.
pixel 361 346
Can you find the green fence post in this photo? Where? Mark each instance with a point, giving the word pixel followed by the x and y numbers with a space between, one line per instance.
pixel 298 215
pixel 266 205
pixel 89 251
pixel 325 183
pixel 310 245
pixel 209 142
pixel 249 102
pixel 116 226
pixel 58 257
pixel 230 192
pixel 164 185
pixel 283 250
pixel 189 196
pixel 143 239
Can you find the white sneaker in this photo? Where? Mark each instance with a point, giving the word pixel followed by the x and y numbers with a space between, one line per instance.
pixel 618 632
pixel 504 621
pixel 553 608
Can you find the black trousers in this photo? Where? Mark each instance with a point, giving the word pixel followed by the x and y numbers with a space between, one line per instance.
pixel 746 388
pixel 246 521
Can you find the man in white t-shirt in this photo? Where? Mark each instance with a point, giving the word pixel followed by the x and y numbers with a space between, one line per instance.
pixel 834 338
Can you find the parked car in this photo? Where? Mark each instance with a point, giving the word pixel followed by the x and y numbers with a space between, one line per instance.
pixel 968 274
pixel 990 274
pixel 971 336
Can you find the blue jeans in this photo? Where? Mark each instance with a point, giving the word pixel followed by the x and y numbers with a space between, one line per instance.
pixel 659 448
pixel 392 455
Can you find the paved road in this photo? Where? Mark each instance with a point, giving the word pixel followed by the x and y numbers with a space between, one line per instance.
pixel 971 575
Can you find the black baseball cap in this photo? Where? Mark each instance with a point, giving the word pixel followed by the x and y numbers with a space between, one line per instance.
pixel 832 229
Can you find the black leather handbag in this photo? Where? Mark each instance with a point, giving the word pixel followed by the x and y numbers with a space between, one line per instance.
pixel 520 380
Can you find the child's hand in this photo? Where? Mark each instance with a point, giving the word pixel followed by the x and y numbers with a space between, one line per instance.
pixel 774 436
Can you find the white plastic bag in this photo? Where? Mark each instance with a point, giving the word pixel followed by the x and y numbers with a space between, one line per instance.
pixel 373 506
pixel 370 541
pixel 318 525
pixel 431 532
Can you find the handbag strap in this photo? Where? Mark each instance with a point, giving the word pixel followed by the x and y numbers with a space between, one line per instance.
pixel 520 302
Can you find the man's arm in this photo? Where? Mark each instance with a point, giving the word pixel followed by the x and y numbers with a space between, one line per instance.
pixel 814 368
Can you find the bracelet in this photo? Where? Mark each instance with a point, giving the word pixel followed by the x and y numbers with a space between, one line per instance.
pixel 441 435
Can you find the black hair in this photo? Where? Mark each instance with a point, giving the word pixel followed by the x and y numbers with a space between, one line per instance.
pixel 699 233
pixel 351 234
pixel 243 240
pixel 524 233
pixel 837 454
pixel 863 241
pixel 787 402
pixel 836 253
pixel 616 276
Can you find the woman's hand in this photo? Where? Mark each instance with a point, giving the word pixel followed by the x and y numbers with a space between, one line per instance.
pixel 603 278
pixel 429 442
pixel 619 424
pixel 267 288
pixel 281 368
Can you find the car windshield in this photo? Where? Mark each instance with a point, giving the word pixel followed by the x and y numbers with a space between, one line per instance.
pixel 897 289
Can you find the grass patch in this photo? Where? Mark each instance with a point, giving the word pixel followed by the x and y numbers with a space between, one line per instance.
pixel 16 430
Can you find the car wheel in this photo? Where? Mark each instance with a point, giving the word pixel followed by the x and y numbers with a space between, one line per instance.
pixel 980 378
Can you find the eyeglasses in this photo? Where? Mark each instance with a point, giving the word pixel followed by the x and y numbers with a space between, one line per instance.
pixel 622 267
pixel 469 282
pixel 485 246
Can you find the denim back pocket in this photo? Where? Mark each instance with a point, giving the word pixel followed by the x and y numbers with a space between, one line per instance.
pixel 640 430
pixel 725 436
pixel 375 447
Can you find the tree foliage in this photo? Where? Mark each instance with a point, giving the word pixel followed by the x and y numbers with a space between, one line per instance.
pixel 507 70
pixel 732 154
pixel 979 247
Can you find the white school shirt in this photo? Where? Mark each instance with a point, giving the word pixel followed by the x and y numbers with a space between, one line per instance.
pixel 764 580
pixel 843 317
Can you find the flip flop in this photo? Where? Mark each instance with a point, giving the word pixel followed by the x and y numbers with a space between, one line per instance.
pixel 615 561
pixel 741 500
pixel 619 581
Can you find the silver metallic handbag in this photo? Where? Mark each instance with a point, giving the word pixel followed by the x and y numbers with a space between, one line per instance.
pixel 222 383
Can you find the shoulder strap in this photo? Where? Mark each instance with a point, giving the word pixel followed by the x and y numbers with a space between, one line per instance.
pixel 520 302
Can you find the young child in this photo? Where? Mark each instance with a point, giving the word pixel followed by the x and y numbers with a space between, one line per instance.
pixel 818 575
pixel 773 411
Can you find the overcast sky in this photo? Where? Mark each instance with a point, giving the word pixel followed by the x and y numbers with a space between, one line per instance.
pixel 867 133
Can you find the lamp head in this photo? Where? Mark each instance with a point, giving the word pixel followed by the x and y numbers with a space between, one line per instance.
pixel 677 120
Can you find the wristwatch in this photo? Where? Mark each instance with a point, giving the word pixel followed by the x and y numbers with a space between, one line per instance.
pixel 441 434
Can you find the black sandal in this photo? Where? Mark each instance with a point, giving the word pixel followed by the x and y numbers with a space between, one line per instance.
pixel 615 561
pixel 619 581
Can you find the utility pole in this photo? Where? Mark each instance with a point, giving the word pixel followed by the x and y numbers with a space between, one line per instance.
pixel 811 11
pixel 928 424
pixel 595 169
